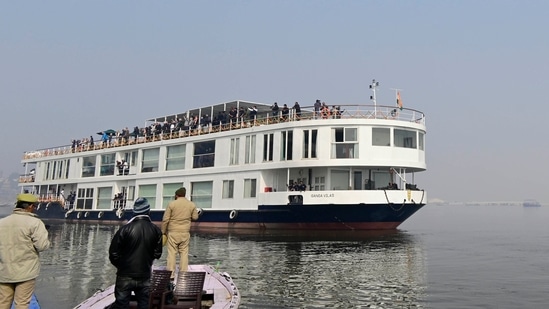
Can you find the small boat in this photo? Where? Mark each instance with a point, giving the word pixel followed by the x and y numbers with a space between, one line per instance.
pixel 531 203
pixel 217 290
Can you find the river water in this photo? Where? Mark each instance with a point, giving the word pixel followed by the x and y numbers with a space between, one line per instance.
pixel 443 257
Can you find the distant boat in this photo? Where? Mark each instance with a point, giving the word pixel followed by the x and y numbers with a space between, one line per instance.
pixel 531 203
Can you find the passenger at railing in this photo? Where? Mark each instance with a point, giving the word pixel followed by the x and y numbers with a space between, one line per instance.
pixel 275 109
pixel 105 138
pixel 205 122
pixel 136 133
pixel 126 135
pixel 252 112
pixel 285 112
pixel 241 113
pixel 318 106
pixel 166 127
pixel 91 142
pixel 297 110
pixel 325 111
pixel 233 114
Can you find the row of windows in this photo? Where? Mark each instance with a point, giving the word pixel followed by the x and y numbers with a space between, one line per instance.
pixel 344 145
pixel 201 194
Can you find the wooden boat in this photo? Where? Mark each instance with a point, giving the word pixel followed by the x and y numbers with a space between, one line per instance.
pixel 216 290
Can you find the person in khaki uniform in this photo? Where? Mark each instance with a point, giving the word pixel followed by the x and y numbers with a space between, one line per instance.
pixel 176 225
pixel 22 236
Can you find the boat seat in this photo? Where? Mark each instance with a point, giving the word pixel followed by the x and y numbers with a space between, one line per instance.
pixel 160 283
pixel 188 291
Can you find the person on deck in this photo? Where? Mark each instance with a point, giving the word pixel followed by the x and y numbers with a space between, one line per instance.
pixel 23 237
pixel 133 249
pixel 176 225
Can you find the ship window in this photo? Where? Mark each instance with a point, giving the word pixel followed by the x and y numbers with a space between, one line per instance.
pixel 104 198
pixel 88 166
pixel 168 193
pixel 201 194
pixel 107 165
pixel 344 143
pixel 131 158
pixel 268 141
pixel 286 149
pixel 235 146
pixel 204 154
pixel 421 141
pixel 405 138
pixel 250 187
pixel 309 143
pixel 319 183
pixel 150 160
pixel 381 137
pixel 148 192
pixel 228 188
pixel 249 156
pixel 84 198
pixel 175 158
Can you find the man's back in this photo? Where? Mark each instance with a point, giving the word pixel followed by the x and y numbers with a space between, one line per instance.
pixel 178 216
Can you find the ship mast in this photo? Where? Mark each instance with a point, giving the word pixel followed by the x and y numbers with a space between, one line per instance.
pixel 373 86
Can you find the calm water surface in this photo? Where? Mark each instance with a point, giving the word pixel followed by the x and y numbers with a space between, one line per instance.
pixel 443 257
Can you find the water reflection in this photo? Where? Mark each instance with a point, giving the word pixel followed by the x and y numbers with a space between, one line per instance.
pixel 272 269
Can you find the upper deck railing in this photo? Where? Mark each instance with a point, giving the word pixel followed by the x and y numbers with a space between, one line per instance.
pixel 343 112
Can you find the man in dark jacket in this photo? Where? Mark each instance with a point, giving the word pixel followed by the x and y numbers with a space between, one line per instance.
pixel 132 251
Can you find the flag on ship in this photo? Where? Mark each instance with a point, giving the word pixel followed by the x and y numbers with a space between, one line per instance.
pixel 399 101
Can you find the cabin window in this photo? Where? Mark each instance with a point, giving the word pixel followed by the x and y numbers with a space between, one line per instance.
pixel 131 158
pixel 319 183
pixel 201 194
pixel 235 146
pixel 84 198
pixel 105 198
pixel 168 193
pixel 405 138
pixel 204 154
pixel 175 158
pixel 339 179
pixel 228 188
pixel 421 141
pixel 130 192
pixel 344 143
pixel 148 192
pixel 286 149
pixel 47 174
pixel 250 187
pixel 150 160
pixel 249 156
pixel 381 137
pixel 309 143
pixel 88 166
pixel 107 164
pixel 268 141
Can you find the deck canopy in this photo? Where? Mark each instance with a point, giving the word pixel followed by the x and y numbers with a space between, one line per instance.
pixel 214 110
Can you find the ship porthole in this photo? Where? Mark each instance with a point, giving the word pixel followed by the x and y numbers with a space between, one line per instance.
pixel 100 214
pixel 67 214
pixel 38 207
pixel 200 211
pixel 86 214
pixel 233 214
pixel 119 213
pixel 78 215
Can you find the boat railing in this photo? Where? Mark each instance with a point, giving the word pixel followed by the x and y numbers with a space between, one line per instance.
pixel 357 111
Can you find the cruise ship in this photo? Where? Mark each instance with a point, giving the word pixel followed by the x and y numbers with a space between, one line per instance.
pixel 246 165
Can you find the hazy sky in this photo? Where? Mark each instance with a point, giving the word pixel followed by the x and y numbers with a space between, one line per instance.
pixel 479 70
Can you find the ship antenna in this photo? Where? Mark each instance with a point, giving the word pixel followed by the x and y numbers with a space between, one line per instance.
pixel 373 86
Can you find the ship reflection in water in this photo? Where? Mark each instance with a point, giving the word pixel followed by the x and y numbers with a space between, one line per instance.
pixel 379 269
